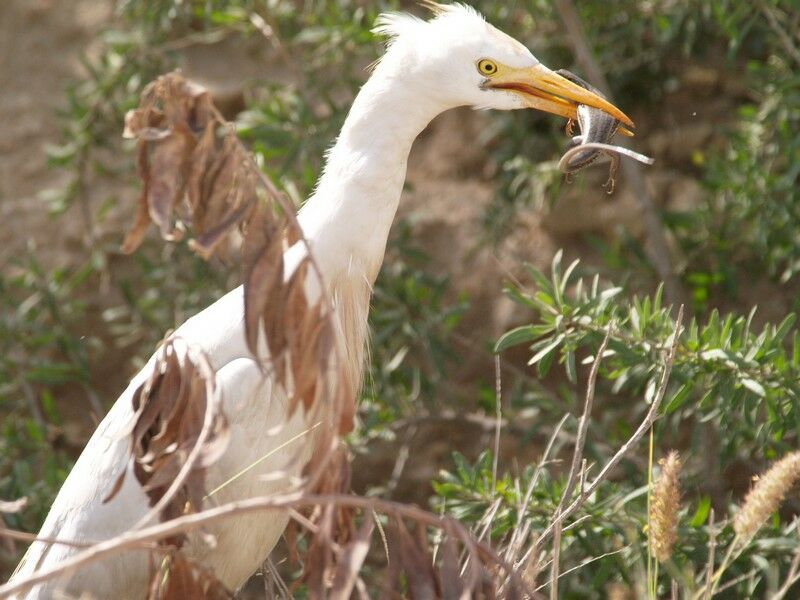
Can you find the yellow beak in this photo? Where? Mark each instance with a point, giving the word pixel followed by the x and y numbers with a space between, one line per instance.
pixel 547 91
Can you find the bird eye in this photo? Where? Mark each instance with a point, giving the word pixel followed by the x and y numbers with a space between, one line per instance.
pixel 487 67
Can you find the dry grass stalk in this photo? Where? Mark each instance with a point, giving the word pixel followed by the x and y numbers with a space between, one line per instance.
pixel 766 496
pixel 664 508
pixel 487 574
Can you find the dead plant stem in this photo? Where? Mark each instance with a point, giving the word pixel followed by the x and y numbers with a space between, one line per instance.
pixel 577 456
pixel 643 428
pixel 134 538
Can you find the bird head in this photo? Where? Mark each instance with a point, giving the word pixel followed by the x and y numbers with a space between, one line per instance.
pixel 459 59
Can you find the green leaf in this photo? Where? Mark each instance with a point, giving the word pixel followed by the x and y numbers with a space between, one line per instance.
pixel 53 373
pixel 547 349
pixel 784 327
pixel 569 366
pixel 679 398
pixel 701 514
pixel 754 386
pixel 518 335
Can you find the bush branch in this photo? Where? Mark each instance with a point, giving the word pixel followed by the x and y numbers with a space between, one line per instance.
pixel 644 426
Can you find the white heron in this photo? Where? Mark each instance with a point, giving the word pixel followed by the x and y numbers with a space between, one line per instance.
pixel 454 59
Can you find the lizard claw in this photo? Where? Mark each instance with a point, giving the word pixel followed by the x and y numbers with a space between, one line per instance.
pixel 611 183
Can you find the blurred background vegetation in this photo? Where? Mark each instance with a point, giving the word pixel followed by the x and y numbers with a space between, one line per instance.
pixel 714 87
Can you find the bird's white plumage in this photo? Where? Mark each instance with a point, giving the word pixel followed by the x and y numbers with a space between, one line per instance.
pixel 428 68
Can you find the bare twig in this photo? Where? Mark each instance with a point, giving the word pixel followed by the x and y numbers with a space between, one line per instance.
pixel 523 525
pixel 134 538
pixel 657 248
pixel 584 564
pixel 791 577
pixel 498 398
pixel 788 44
pixel 583 424
pixel 712 550
pixel 24 536
pixel 401 460
pixel 13 506
pixel 644 426
pixel 577 457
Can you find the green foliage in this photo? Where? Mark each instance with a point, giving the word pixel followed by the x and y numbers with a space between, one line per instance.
pixel 410 321
pixel 731 376
pixel 610 544
pixel 752 215
pixel 746 380
pixel 41 356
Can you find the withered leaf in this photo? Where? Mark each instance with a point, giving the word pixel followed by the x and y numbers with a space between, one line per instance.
pixel 169 415
pixel 351 560
pixel 183 579
pixel 450 575
pixel 320 555
pixel 176 126
pixel 416 563
pixel 206 243
pixel 166 180
pixel 201 156
pixel 135 235
pixel 262 290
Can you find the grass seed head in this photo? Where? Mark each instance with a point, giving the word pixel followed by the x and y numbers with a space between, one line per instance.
pixel 664 507
pixel 766 496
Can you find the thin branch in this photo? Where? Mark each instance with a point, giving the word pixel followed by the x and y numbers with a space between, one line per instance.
pixel 577 457
pixel 791 577
pixel 521 530
pixel 584 564
pixel 786 40
pixel 712 550
pixel 498 398
pixel 583 425
pixel 644 426
pixel 154 533
pixel 24 536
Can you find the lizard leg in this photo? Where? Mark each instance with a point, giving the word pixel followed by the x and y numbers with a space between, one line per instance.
pixel 611 183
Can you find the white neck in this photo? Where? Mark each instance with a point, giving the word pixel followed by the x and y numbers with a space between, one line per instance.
pixel 347 220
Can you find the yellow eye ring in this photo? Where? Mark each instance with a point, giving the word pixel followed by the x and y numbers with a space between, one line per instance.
pixel 487 67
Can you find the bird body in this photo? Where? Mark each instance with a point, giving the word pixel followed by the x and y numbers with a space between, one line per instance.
pixel 429 67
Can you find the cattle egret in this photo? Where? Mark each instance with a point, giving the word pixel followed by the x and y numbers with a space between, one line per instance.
pixel 454 59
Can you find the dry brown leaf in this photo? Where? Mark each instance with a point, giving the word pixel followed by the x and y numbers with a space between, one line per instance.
pixel 176 126
pixel 416 563
pixel 169 414
pixel 165 172
pixel 262 294
pixel 449 573
pixel 180 578
pixel 351 560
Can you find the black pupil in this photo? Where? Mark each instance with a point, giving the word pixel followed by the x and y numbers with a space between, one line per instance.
pixel 489 68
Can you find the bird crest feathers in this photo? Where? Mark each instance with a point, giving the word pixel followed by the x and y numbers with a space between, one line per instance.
pixel 394 25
